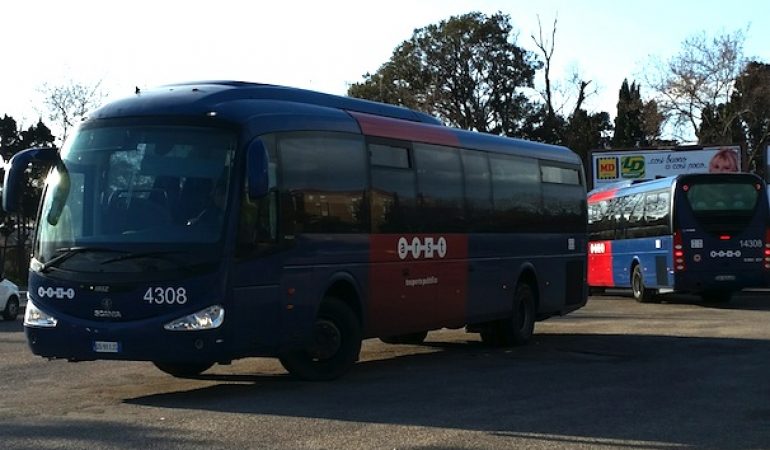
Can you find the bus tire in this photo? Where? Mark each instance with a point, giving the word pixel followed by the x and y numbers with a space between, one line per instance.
pixel 409 339
pixel 183 370
pixel 641 293
pixel 335 347
pixel 11 310
pixel 519 327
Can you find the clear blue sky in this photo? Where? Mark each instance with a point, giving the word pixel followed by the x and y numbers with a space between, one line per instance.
pixel 328 45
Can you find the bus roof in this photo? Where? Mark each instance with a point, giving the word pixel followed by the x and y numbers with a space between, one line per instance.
pixel 205 96
pixel 264 108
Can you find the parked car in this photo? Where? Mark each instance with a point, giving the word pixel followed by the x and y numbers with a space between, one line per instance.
pixel 10 300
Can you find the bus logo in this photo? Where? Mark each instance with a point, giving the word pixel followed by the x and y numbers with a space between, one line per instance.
pixel 596 248
pixel 421 248
pixel 632 166
pixel 607 168
pixel 58 292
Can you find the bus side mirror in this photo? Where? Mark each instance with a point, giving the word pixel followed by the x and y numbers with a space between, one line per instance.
pixel 256 170
pixel 14 173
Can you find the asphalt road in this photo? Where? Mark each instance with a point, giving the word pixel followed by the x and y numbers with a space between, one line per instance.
pixel 615 374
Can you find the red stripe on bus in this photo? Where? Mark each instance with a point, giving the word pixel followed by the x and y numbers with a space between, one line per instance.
pixel 602 195
pixel 600 263
pixel 405 130
pixel 416 282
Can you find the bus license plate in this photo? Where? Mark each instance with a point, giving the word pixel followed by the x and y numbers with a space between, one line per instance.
pixel 725 278
pixel 106 347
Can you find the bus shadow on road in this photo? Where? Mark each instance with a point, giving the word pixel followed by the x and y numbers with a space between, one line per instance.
pixel 758 300
pixel 754 301
pixel 621 388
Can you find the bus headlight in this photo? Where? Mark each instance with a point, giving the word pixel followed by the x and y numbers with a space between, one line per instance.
pixel 33 317
pixel 205 319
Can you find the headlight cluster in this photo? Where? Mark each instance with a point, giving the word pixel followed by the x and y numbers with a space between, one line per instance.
pixel 34 317
pixel 205 319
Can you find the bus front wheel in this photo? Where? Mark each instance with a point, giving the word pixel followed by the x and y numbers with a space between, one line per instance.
pixel 641 293
pixel 334 347
pixel 183 370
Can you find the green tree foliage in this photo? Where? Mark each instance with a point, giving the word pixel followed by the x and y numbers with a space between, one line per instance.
pixel 15 230
pixel 467 70
pixel 751 100
pixel 720 126
pixel 745 118
pixel 629 125
pixel 652 124
pixel 9 137
pixel 586 132
pixel 12 141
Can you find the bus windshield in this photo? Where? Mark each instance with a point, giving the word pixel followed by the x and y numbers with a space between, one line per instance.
pixel 722 206
pixel 135 187
pixel 722 197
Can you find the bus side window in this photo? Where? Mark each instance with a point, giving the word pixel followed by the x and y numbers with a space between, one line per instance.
pixel 636 218
pixel 656 213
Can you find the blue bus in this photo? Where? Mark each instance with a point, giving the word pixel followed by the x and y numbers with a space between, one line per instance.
pixel 198 223
pixel 705 234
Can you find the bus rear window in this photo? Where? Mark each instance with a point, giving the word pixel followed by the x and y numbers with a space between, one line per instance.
pixel 717 197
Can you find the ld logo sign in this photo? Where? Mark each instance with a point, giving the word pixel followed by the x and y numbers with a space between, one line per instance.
pixel 606 168
pixel 632 167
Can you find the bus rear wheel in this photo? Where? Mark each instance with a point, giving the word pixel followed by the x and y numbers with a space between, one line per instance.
pixel 410 338
pixel 641 293
pixel 518 329
pixel 334 348
pixel 183 370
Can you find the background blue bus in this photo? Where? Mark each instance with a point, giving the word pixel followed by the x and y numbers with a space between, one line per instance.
pixel 700 233
pixel 200 223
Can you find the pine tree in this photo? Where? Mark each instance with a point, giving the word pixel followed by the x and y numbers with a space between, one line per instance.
pixel 629 124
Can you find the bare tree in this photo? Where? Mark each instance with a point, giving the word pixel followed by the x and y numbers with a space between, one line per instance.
pixel 546 48
pixel 702 75
pixel 69 102
pixel 574 89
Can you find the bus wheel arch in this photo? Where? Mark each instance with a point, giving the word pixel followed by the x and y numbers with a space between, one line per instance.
pixel 518 328
pixel 342 286
pixel 335 343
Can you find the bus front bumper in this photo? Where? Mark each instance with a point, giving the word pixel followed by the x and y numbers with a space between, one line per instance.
pixel 721 281
pixel 137 341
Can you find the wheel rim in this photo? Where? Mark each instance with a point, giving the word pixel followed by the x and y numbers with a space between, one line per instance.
pixel 637 284
pixel 327 340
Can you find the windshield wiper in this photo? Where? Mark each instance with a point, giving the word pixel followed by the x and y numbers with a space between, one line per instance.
pixel 68 252
pixel 155 254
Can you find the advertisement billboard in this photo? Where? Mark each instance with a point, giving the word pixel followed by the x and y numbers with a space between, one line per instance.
pixel 613 166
